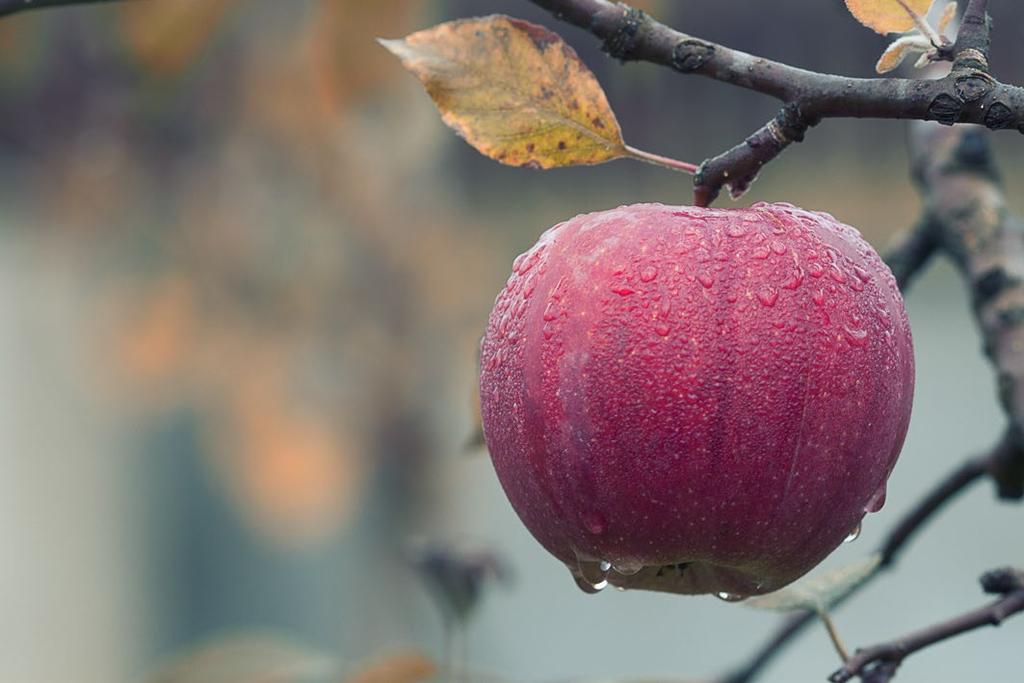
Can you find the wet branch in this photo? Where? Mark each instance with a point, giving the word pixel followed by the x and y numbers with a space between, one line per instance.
pixel 8 7
pixel 878 663
pixel 964 217
pixel 957 481
pixel 969 94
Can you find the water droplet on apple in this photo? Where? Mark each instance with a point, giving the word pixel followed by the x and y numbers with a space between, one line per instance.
pixel 853 535
pixel 529 285
pixel 648 273
pixel 518 263
pixel 877 501
pixel 737 230
pixel 768 296
pixel 856 337
pixel 594 522
pixel 662 329
pixel 503 324
pixel 628 567
pixel 590 588
pixel 591 576
pixel 706 280
pixel 795 279
pixel 623 290
pixel 730 597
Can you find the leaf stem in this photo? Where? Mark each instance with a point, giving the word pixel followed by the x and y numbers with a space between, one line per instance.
pixel 923 26
pixel 659 160
pixel 833 634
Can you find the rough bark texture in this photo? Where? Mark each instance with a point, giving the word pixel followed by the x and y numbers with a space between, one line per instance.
pixel 968 94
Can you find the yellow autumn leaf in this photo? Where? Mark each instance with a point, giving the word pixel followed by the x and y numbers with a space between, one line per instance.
pixel 900 49
pixel 515 91
pixel 888 16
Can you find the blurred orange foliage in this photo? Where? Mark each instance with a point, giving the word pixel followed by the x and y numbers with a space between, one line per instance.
pixel 167 35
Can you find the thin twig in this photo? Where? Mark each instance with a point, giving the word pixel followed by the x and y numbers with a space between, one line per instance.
pixel 895 542
pixel 966 218
pixel 8 7
pixel 967 94
pixel 895 651
pixel 833 635
pixel 922 25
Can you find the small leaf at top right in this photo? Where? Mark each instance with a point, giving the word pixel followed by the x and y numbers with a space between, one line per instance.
pixel 888 16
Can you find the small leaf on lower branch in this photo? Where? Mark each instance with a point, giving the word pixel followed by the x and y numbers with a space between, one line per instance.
pixel 819 592
pixel 515 91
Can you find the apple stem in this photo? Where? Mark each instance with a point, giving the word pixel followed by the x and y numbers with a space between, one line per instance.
pixel 833 634
pixel 659 160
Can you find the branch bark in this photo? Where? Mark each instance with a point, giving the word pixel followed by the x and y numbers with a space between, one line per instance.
pixel 957 481
pixel 965 217
pixel 967 95
pixel 8 7
pixel 878 663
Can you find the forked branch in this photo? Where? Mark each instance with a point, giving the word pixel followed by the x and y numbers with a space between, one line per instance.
pixel 969 94
pixel 878 663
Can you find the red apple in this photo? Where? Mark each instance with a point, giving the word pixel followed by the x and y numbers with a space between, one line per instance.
pixel 696 400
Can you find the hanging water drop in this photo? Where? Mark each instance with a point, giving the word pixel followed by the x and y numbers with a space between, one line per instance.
pixel 854 535
pixel 590 588
pixel 877 501
pixel 628 567
pixel 730 597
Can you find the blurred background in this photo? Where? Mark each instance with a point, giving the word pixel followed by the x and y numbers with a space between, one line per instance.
pixel 243 272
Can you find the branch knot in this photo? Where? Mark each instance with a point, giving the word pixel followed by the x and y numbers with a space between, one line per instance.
pixel 1002 581
pixel 974 85
pixel 621 43
pixel 690 54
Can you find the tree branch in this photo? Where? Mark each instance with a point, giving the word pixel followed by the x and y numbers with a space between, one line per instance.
pixel 912 522
pixel 878 663
pixel 910 251
pixel 8 7
pixel 968 94
pixel 972 42
pixel 965 217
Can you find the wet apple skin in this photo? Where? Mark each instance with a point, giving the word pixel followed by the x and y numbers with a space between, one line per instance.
pixel 723 389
